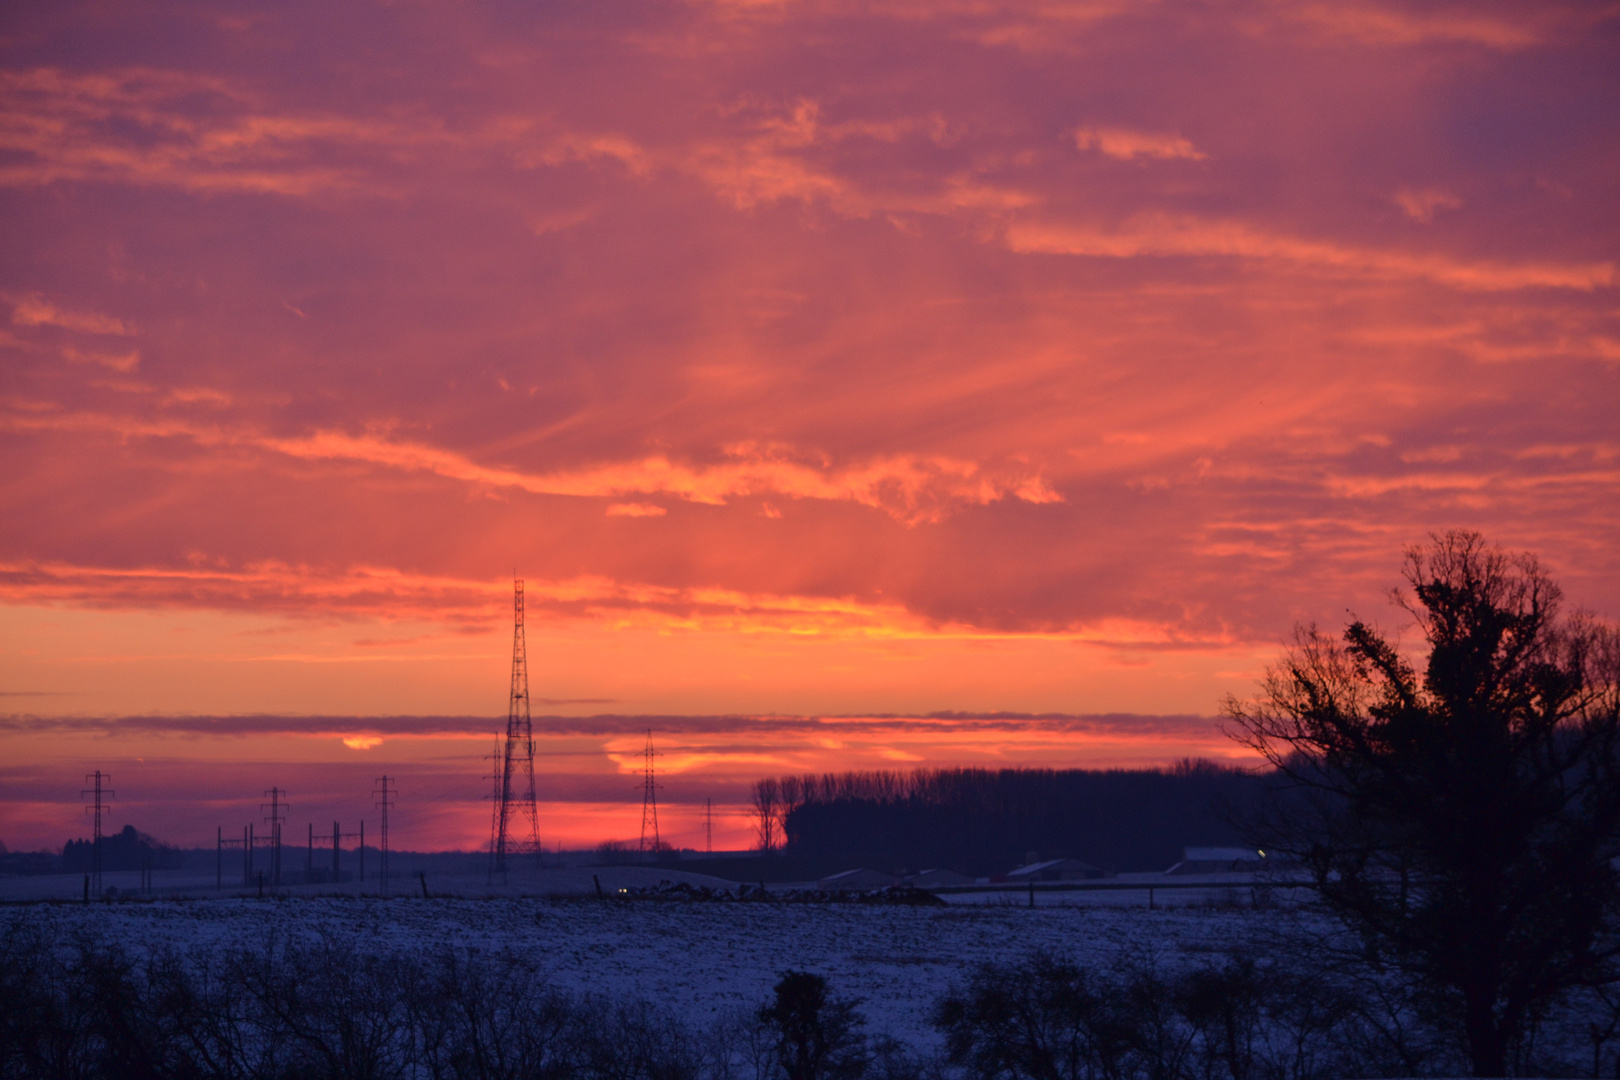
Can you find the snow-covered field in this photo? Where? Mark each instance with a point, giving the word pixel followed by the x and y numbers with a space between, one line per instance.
pixel 702 959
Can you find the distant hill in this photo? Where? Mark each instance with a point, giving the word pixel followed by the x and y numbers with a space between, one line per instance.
pixel 981 822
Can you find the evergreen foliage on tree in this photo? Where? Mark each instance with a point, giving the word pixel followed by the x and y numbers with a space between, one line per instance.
pixel 817 1036
pixel 1458 806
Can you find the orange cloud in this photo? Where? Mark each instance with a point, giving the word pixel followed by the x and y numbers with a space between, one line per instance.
pixel 1162 235
pixel 1388 25
pixel 912 488
pixel 1421 205
pixel 34 310
pixel 1127 145
pixel 123 363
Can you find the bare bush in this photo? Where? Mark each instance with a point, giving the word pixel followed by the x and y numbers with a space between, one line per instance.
pixel 1047 1018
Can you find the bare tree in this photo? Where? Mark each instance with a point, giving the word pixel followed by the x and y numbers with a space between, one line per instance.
pixel 1461 821
pixel 767 800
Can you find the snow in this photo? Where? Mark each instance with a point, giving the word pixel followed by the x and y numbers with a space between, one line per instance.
pixel 703 960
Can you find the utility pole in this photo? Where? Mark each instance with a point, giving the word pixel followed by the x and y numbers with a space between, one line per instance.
pixel 385 799
pixel 495 774
pixel 517 753
pixel 278 810
pixel 649 799
pixel 338 836
pixel 708 825
pixel 98 793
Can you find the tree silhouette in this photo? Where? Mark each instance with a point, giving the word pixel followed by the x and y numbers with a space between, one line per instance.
pixel 767 799
pixel 817 1036
pixel 1460 821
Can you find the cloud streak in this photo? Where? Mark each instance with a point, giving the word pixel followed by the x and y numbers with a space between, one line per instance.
pixel 1191 238
pixel 1127 145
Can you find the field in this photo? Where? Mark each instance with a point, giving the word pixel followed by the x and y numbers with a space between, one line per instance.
pixel 700 959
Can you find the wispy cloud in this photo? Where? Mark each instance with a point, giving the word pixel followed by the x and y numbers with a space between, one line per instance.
pixel 124 363
pixel 1516 28
pixel 1421 205
pixel 32 309
pixel 1164 235
pixel 913 488
pixel 1128 145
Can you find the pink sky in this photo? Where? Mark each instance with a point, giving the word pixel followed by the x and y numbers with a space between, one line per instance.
pixel 807 360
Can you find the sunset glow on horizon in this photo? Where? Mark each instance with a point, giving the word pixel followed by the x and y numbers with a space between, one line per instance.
pixel 852 386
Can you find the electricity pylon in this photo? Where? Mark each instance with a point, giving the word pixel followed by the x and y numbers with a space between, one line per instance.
pixel 385 799
pixel 95 779
pixel 278 808
pixel 649 799
pixel 514 754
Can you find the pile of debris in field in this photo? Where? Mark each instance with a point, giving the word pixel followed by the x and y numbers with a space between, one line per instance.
pixel 681 890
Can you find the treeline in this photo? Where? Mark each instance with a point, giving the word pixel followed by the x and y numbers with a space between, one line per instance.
pixel 336 1007
pixel 980 821
pixel 127 849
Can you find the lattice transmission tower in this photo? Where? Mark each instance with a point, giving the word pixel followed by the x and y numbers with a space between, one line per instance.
pixel 99 793
pixel 278 808
pixel 384 801
pixel 513 754
pixel 649 798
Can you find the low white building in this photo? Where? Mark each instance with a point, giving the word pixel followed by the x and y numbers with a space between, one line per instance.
pixel 1054 870
pixel 857 879
pixel 1218 860
pixel 933 879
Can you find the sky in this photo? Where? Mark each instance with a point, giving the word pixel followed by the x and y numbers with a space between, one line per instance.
pixel 867 385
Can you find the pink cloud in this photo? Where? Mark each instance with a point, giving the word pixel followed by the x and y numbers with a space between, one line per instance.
pixel 1421 205
pixel 34 310
pixel 1378 24
pixel 912 383
pixel 1127 145
pixel 1161 236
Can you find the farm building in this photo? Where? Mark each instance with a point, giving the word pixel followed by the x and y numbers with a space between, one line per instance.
pixel 857 879
pixel 932 879
pixel 1217 860
pixel 1054 870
